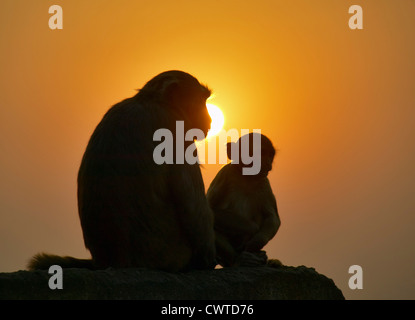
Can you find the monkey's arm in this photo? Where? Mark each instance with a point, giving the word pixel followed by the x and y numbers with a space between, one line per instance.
pixel 218 188
pixel 269 226
pixel 226 202
pixel 194 214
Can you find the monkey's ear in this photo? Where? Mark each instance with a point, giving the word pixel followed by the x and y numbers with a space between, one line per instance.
pixel 232 150
pixel 170 90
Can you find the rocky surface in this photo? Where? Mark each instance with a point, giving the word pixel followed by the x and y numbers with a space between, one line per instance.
pixel 260 283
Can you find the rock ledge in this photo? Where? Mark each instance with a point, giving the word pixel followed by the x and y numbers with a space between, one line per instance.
pixel 261 283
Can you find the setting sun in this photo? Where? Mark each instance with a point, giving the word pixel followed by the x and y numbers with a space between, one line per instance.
pixel 218 119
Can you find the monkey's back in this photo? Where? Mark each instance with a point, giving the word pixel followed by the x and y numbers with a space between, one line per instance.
pixel 125 207
pixel 236 205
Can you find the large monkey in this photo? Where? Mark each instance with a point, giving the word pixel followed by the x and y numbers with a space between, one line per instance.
pixel 134 212
pixel 246 214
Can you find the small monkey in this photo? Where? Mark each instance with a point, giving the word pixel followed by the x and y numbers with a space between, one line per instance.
pixel 244 206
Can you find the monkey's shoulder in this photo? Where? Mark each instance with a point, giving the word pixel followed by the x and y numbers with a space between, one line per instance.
pixel 230 186
pixel 230 176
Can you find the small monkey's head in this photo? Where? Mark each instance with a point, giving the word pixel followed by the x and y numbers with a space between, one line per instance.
pixel 253 153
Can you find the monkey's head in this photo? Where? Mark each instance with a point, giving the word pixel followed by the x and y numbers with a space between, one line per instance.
pixel 183 94
pixel 253 153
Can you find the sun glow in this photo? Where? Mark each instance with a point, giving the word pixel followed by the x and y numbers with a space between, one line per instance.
pixel 218 120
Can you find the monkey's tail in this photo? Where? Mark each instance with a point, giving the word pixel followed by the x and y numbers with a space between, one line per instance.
pixel 43 261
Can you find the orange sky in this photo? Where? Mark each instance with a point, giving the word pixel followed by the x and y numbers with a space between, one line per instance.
pixel 338 104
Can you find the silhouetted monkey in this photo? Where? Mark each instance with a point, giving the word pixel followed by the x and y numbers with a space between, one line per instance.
pixel 134 212
pixel 245 208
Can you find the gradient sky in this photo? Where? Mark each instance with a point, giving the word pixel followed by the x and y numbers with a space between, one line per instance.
pixel 339 104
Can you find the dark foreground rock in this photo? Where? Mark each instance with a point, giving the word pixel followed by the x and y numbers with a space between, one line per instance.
pixel 229 284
